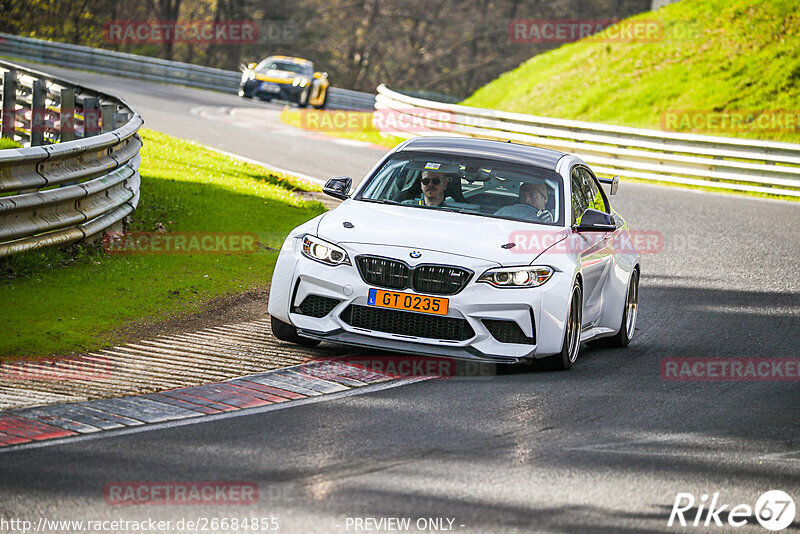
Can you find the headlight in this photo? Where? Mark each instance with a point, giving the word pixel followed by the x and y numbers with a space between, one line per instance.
pixel 517 276
pixel 302 82
pixel 320 250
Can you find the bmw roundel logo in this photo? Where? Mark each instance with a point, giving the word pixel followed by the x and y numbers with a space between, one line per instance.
pixel 415 254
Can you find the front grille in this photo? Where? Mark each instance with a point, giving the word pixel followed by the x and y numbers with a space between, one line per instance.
pixel 440 279
pixel 384 272
pixel 508 332
pixel 394 274
pixel 317 306
pixel 407 323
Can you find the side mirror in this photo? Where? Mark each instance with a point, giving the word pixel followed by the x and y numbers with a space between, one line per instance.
pixel 613 182
pixel 251 66
pixel 338 187
pixel 595 221
pixel 320 75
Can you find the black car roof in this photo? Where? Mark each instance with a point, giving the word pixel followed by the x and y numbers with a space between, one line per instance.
pixel 484 148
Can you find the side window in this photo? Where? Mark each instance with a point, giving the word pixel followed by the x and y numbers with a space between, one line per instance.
pixel 596 196
pixel 580 201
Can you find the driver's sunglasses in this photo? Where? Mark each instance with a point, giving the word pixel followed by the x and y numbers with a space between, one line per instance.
pixel 434 181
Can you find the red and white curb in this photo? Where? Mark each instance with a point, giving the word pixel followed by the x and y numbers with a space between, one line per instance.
pixel 247 394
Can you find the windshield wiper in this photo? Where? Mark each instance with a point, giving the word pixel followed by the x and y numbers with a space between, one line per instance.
pixel 379 200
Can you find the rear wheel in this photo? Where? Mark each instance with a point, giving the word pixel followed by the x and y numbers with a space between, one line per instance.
pixel 572 334
pixel 288 333
pixel 628 326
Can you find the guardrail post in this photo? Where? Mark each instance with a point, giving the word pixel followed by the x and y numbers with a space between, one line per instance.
pixel 38 108
pixel 107 117
pixel 9 103
pixel 91 116
pixel 67 119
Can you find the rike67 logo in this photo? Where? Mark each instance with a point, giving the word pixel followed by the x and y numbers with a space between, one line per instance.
pixel 774 510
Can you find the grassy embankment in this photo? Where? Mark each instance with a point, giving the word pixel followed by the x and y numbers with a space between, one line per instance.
pixel 5 142
pixel 714 56
pixel 82 298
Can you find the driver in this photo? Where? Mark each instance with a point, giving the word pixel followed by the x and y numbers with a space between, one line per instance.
pixel 433 185
pixel 532 204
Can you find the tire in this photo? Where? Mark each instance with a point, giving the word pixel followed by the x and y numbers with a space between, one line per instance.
pixel 302 98
pixel 324 101
pixel 629 313
pixel 572 334
pixel 288 333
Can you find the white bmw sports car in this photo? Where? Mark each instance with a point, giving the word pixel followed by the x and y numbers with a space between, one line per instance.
pixel 464 248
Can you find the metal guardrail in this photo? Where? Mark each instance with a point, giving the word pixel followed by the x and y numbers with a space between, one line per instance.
pixel 721 162
pixel 149 68
pixel 79 174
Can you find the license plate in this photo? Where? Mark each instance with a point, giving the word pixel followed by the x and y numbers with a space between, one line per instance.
pixel 407 301
pixel 270 88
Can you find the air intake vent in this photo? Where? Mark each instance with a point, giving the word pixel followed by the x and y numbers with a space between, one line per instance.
pixel 508 332
pixel 407 323
pixel 316 306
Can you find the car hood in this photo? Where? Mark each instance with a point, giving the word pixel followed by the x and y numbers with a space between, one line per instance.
pixel 438 230
pixel 284 74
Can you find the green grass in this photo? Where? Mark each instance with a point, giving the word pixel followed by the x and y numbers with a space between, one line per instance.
pixel 81 298
pixel 359 125
pixel 5 142
pixel 715 55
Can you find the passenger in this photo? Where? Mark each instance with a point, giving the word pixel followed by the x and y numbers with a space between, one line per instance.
pixel 532 204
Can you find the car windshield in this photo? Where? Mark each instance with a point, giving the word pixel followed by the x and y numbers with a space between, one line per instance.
pixel 269 64
pixel 469 185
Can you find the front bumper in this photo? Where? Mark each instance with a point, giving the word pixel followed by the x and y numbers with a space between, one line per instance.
pixel 538 312
pixel 279 91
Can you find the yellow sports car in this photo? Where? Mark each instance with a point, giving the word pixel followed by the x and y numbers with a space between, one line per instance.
pixel 285 78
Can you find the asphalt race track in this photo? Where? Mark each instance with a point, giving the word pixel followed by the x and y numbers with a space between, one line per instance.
pixel 605 447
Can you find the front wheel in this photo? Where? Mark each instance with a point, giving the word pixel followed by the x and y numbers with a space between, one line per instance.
pixel 572 334
pixel 302 98
pixel 288 333
pixel 324 101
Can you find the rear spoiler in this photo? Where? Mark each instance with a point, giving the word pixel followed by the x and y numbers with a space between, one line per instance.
pixel 613 182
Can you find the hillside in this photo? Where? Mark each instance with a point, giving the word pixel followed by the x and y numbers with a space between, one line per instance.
pixel 710 56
